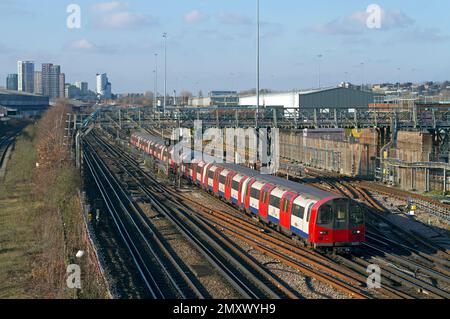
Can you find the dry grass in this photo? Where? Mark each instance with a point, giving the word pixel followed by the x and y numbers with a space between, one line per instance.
pixel 18 243
pixel 41 225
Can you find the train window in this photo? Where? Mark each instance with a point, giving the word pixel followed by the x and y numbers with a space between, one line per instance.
pixel 199 169
pixel 235 185
pixel 298 211
pixel 286 205
pixel 222 179
pixel 254 193
pixel 211 174
pixel 341 210
pixel 275 201
pixel 325 215
pixel 264 197
pixel 356 214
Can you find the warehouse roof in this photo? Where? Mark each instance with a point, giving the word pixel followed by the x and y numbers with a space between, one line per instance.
pixel 310 91
pixel 9 92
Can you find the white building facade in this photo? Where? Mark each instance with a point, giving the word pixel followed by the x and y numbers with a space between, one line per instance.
pixel 285 99
pixel 103 86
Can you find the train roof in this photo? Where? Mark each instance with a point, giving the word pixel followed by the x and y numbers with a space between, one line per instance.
pixel 299 188
pixel 278 181
pixel 150 137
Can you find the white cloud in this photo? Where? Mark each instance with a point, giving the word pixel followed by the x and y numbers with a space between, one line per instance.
pixel 108 6
pixel 125 20
pixel 356 23
pixel 195 16
pixel 113 15
pixel 233 18
pixel 82 44
pixel 86 46
pixel 419 35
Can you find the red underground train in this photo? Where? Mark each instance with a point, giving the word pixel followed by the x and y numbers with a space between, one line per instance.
pixel 320 219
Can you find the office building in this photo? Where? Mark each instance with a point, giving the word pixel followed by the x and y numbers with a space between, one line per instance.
pixel 83 87
pixel 71 91
pixel 25 76
pixel 103 86
pixel 38 82
pixel 51 80
pixel 11 82
pixel 62 85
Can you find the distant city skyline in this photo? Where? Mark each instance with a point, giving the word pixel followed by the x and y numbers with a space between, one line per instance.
pixel 211 44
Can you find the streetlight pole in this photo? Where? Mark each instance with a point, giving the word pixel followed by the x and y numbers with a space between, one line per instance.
pixel 165 71
pixel 363 79
pixel 257 62
pixel 320 57
pixel 155 95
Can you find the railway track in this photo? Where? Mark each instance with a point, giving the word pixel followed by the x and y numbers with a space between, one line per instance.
pixel 247 276
pixel 300 259
pixel 5 142
pixel 405 257
pixel 424 203
pixel 160 273
pixel 395 277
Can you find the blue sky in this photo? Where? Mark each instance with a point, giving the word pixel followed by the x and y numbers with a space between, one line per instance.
pixel 211 43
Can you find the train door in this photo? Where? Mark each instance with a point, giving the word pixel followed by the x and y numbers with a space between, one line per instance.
pixel 199 174
pixel 217 180
pixel 242 190
pixel 194 172
pixel 223 178
pixel 285 210
pixel 247 193
pixel 229 185
pixel 301 216
pixel 264 197
pixel 205 176
pixel 342 226
pixel 309 204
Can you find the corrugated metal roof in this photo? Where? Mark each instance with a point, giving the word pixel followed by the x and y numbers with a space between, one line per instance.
pixel 9 92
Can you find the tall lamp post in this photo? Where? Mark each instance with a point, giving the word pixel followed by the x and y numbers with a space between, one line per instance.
pixel 363 77
pixel 257 62
pixel 155 95
pixel 165 71
pixel 319 57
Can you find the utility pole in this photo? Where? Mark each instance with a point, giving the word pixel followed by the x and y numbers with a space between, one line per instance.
pixel 165 71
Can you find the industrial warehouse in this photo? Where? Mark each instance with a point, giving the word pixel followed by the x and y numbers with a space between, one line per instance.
pixel 22 105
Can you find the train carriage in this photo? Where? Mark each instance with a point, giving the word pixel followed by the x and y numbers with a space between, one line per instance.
pixel 223 182
pixel 217 180
pixel 206 176
pixel 275 203
pixel 254 196
pixel 236 189
pixel 211 172
pixel 300 215
pixel 199 172
pixel 229 185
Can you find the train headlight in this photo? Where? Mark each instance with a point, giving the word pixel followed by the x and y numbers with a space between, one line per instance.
pixel 356 232
pixel 323 232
